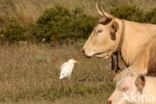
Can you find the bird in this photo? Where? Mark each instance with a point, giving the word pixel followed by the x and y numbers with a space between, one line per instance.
pixel 67 68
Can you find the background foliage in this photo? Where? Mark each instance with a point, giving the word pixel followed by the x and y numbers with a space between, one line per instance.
pixel 61 25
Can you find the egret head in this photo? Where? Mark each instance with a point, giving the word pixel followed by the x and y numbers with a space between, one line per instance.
pixel 72 61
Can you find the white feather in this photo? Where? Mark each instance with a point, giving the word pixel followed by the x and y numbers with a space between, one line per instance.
pixel 67 68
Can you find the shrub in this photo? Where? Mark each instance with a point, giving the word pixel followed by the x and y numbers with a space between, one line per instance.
pixel 59 24
pixel 151 16
pixel 12 31
pixel 132 13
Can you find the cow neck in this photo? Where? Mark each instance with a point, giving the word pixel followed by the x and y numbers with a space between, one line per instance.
pixel 119 49
pixel 121 37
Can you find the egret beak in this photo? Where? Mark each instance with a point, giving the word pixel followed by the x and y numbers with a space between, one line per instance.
pixel 76 61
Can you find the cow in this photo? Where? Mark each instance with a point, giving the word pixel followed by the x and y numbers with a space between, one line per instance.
pixel 134 89
pixel 136 43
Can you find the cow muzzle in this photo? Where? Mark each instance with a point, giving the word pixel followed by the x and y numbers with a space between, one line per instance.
pixel 109 102
pixel 84 53
pixel 90 54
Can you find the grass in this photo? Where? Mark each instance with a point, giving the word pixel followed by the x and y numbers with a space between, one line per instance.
pixel 29 74
pixel 29 10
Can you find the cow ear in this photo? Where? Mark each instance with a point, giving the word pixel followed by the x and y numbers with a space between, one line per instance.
pixel 140 82
pixel 114 28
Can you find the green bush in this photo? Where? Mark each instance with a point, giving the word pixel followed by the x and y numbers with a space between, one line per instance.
pixel 150 17
pixel 59 24
pixel 131 12
pixel 13 31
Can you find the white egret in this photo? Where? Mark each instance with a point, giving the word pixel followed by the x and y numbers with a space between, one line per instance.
pixel 67 68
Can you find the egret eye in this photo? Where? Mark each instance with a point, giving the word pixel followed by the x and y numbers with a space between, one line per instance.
pixel 99 30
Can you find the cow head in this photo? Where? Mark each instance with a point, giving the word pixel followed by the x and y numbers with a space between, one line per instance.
pixel 105 37
pixel 127 88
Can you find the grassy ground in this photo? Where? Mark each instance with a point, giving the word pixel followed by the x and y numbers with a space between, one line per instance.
pixel 30 75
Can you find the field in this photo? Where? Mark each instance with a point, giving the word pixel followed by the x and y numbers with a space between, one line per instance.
pixel 28 10
pixel 29 74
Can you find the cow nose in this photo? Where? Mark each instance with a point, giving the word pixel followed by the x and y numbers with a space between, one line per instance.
pixel 109 102
pixel 82 51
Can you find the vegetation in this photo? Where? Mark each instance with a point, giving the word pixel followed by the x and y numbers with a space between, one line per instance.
pixel 29 71
pixel 59 25
pixel 54 25
pixel 150 16
pixel 30 75
pixel 132 13
pixel 28 11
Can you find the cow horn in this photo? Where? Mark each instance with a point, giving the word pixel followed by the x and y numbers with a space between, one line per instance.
pixel 102 12
pixel 99 11
pixel 106 14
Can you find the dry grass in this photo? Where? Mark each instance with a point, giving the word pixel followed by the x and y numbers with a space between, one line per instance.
pixel 28 10
pixel 30 75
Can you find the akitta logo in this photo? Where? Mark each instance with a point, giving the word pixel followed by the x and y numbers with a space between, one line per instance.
pixel 138 98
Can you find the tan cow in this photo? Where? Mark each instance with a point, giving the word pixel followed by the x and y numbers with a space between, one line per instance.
pixel 134 90
pixel 135 41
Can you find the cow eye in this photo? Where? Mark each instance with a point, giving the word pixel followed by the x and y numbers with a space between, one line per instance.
pixel 124 89
pixel 99 30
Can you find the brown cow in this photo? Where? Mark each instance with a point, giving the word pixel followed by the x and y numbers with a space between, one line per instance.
pixel 135 41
